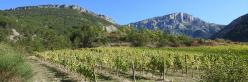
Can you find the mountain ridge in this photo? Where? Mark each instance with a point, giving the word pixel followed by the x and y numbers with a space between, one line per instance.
pixel 64 6
pixel 180 24
pixel 237 30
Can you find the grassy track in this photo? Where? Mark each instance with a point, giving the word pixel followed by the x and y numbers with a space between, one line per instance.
pixel 13 67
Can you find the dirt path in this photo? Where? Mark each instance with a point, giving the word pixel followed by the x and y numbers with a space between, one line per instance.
pixel 45 72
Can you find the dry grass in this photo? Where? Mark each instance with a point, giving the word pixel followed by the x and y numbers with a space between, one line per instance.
pixel 10 77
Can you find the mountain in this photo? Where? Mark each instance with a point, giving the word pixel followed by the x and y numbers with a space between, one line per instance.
pixel 180 24
pixel 70 14
pixel 51 25
pixel 74 7
pixel 237 30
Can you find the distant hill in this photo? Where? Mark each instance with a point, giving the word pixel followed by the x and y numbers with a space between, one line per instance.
pixel 180 24
pixel 56 16
pixel 237 30
pixel 39 25
pixel 56 6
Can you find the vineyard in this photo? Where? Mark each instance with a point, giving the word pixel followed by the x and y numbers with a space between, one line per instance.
pixel 195 64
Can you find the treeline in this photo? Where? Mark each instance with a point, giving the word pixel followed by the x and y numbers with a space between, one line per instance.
pixel 91 36
pixel 150 38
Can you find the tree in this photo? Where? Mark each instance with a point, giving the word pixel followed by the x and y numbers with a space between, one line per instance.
pixel 88 36
pixel 139 37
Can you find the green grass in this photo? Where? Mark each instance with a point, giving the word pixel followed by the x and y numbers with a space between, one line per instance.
pixel 12 65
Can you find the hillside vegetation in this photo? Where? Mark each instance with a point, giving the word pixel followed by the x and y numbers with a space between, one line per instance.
pixel 39 29
pixel 237 30
pixel 47 28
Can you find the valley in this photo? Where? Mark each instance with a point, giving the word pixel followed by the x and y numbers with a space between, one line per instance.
pixel 69 43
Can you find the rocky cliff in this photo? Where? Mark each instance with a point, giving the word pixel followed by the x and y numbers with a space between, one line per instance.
pixel 180 24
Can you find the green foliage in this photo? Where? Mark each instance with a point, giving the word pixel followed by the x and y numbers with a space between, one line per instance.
pixel 206 64
pixel 177 63
pixel 88 36
pixel 51 29
pixel 121 63
pixel 225 69
pixel 86 71
pixel 139 37
pixel 158 63
pixel 3 34
pixel 146 37
pixel 12 64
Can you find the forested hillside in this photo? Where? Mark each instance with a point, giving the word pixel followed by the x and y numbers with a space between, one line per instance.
pixel 237 30
pixel 48 28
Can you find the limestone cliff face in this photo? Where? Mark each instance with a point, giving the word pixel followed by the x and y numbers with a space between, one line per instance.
pixel 180 24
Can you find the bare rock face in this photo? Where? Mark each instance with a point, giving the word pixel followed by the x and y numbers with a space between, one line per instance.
pixel 74 7
pixel 111 28
pixel 180 24
pixel 14 36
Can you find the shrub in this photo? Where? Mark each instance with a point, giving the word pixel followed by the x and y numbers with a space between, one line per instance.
pixel 12 65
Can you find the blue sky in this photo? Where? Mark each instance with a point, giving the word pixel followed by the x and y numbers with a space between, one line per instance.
pixel 126 11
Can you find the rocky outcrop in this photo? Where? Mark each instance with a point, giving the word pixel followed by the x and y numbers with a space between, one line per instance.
pixel 180 24
pixel 111 28
pixel 14 37
pixel 74 7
